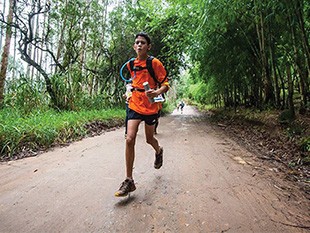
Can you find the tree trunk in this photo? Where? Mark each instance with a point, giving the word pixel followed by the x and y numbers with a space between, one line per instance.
pixel 265 72
pixel 82 56
pixel 304 75
pixel 35 50
pixel 275 75
pixel 14 53
pixel 304 36
pixel 61 38
pixel 45 29
pixel 31 34
pixel 290 100
pixel 299 59
pixel 1 28
pixel 282 87
pixel 49 87
pixel 300 68
pixel 6 52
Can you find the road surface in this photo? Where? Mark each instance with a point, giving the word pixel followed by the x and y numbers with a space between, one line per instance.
pixel 208 183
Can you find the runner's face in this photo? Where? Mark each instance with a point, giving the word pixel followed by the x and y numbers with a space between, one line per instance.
pixel 141 46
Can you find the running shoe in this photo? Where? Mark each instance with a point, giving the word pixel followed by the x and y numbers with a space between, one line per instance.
pixel 159 159
pixel 126 187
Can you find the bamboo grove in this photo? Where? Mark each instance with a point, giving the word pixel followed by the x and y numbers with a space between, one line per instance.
pixel 239 52
pixel 253 53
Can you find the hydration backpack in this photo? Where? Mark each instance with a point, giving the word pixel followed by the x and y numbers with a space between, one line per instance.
pixel 149 68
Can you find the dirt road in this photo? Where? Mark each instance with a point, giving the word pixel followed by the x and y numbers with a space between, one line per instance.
pixel 207 184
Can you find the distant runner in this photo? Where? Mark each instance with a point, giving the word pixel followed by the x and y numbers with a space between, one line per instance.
pixel 181 106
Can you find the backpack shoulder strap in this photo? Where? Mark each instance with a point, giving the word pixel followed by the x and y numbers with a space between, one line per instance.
pixel 150 68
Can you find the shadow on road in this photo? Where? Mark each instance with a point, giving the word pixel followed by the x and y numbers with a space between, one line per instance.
pixel 125 201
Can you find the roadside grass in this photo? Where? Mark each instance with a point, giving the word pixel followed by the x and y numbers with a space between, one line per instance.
pixel 168 107
pixel 40 130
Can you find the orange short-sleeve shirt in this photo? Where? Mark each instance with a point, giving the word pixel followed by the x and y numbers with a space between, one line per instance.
pixel 139 102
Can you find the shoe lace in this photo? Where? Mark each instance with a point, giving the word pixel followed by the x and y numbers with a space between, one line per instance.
pixel 125 186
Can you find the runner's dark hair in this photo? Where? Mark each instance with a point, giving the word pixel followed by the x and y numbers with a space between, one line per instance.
pixel 145 35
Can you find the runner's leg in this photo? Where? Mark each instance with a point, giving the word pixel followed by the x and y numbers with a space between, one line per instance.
pixel 150 139
pixel 132 129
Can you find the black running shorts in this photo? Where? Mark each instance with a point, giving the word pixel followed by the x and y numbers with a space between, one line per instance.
pixel 148 119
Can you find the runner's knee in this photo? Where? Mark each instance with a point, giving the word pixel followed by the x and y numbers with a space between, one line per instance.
pixel 130 141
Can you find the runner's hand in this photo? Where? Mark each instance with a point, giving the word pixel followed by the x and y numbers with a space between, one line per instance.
pixel 151 93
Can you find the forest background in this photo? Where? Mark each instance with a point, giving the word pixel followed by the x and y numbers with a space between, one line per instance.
pixel 247 60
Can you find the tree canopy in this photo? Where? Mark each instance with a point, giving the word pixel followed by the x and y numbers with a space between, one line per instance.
pixel 227 53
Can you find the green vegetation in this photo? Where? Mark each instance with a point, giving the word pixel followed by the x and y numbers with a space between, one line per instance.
pixel 40 130
pixel 219 53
